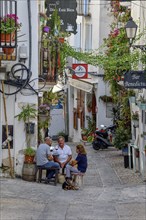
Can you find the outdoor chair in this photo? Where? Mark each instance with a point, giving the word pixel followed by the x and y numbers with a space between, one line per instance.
pixel 40 170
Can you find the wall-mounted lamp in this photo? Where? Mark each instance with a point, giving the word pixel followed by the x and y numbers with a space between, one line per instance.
pixel 23 53
pixel 131 29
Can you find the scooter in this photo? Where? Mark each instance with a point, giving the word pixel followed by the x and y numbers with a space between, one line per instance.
pixel 102 138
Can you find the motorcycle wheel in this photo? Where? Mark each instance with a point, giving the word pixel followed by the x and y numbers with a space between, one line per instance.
pixel 96 145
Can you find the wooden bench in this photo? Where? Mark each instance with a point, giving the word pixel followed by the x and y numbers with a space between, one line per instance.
pixel 78 179
pixel 40 169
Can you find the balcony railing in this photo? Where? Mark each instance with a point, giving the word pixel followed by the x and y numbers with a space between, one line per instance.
pixel 8 29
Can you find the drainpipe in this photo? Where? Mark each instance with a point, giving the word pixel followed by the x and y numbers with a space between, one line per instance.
pixel 30 33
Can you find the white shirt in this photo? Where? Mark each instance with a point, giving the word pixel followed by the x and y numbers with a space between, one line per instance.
pixel 64 153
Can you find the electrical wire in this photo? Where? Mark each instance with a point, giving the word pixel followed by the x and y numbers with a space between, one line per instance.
pixel 19 77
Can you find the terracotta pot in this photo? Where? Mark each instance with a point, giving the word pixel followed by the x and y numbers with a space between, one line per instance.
pixel 84 137
pixel 8 50
pixel 29 159
pixel 61 39
pixel 7 37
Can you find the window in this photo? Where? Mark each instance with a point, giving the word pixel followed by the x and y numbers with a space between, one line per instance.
pixel 109 110
pixel 88 37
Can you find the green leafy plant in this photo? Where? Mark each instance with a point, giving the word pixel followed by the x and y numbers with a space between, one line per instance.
pixel 28 112
pixel 142 99
pixel 9 23
pixel 135 115
pixel 131 93
pixel 29 151
pixel 106 98
pixel 122 137
pixel 90 139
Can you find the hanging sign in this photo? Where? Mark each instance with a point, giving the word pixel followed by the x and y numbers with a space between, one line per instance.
pixel 66 11
pixel 135 79
pixel 81 71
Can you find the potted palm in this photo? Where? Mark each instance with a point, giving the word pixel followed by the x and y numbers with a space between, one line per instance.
pixel 28 112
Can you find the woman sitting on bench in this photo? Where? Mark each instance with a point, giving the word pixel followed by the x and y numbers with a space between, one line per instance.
pixel 80 161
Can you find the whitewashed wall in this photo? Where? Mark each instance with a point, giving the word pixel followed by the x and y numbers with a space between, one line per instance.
pixel 57 122
pixel 13 102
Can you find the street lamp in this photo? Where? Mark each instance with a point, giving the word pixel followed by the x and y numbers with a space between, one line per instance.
pixel 131 29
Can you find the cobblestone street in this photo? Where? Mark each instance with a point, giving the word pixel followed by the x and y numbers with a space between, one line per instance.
pixel 110 192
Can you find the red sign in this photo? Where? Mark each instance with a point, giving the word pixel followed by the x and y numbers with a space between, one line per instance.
pixel 81 71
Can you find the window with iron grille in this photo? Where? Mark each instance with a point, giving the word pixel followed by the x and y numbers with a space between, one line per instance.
pixel 9 25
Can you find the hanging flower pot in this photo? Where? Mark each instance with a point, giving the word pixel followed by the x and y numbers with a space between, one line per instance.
pixel 7 37
pixel 8 50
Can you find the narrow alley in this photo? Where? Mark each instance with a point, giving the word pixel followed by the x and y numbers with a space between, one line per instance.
pixel 110 192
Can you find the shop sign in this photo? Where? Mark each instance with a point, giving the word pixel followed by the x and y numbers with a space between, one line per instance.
pixel 67 12
pixel 81 71
pixel 135 79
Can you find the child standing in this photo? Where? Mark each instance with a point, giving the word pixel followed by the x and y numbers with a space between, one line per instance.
pixel 80 161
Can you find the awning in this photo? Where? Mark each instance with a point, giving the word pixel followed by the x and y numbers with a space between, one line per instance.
pixel 82 85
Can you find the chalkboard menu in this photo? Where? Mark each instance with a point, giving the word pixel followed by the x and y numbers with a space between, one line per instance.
pixel 67 12
pixel 135 79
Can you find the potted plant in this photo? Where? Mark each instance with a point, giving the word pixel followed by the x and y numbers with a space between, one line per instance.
pixel 8 26
pixel 135 119
pixel 28 112
pixel 122 137
pixel 29 153
pixel 142 103
pixel 84 134
pixel 43 112
pixel 90 138
pixel 131 95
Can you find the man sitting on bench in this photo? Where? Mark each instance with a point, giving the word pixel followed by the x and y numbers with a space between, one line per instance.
pixel 64 153
pixel 44 158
